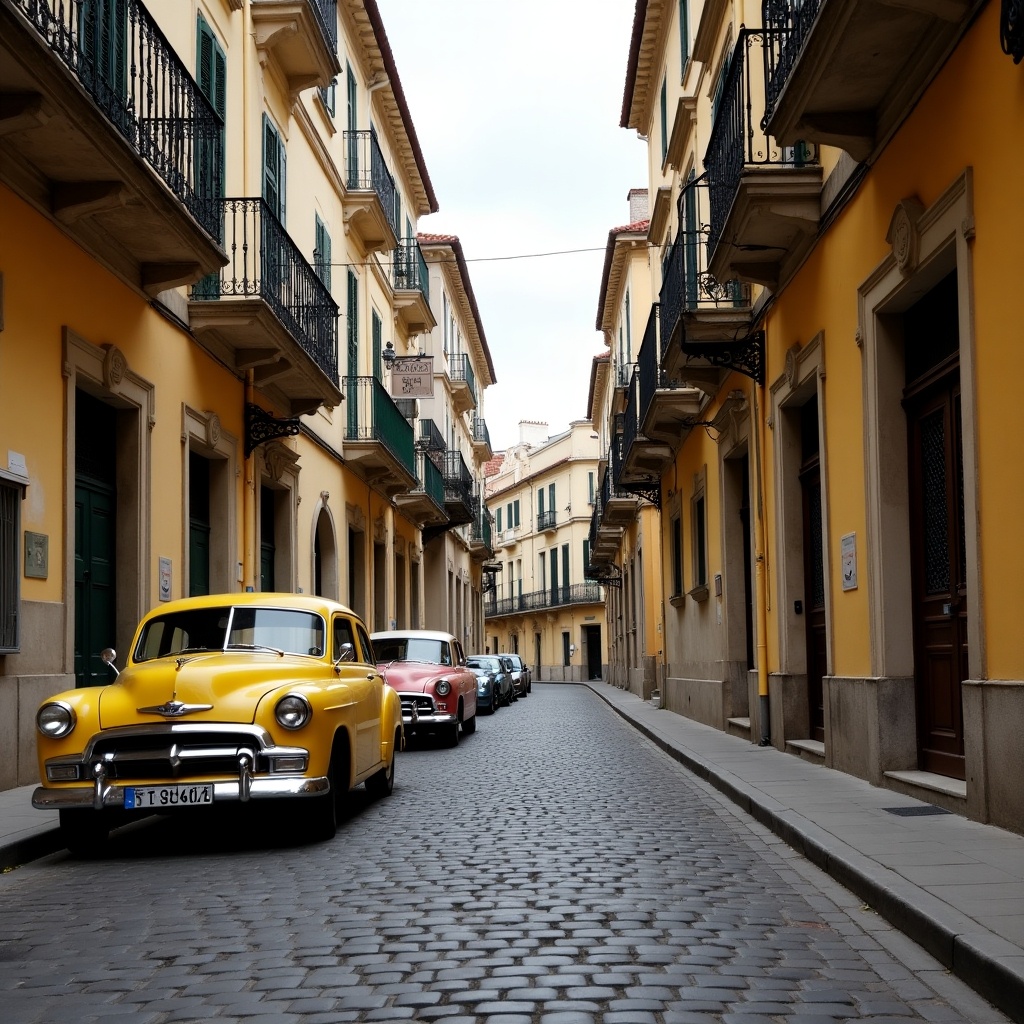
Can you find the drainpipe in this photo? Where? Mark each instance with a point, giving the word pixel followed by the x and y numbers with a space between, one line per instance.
pixel 249 507
pixel 761 585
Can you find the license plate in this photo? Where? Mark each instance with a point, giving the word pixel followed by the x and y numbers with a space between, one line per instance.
pixel 137 798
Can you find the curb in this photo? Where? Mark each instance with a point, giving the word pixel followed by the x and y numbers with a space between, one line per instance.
pixel 976 956
pixel 31 847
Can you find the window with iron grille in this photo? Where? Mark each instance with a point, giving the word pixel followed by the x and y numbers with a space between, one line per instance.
pixel 10 512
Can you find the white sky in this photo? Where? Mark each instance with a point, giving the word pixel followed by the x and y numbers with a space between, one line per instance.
pixel 516 106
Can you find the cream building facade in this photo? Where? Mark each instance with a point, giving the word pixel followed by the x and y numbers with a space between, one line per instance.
pixel 542 606
pixel 625 537
pixel 208 247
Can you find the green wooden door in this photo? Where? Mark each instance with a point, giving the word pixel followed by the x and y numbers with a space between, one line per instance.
pixel 352 372
pixel 266 540
pixel 95 530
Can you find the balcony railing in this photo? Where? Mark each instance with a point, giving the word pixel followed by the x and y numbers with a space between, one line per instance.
pixel 430 438
pixel 458 481
pixel 623 374
pixel 546 520
pixel 367 171
pixel 411 268
pixel 737 140
pixel 481 435
pixel 631 415
pixel 651 376
pixel 686 284
pixel 553 597
pixel 787 24
pixel 137 80
pixel 266 263
pixel 327 16
pixel 371 415
pixel 461 371
pixel 482 529
pixel 431 482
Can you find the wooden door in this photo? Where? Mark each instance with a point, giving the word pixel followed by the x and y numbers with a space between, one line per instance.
pixel 814 575
pixel 939 573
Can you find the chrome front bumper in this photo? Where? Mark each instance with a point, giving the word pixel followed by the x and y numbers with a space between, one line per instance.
pixel 102 794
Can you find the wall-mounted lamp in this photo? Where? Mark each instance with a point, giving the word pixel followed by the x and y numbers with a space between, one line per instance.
pixel 389 355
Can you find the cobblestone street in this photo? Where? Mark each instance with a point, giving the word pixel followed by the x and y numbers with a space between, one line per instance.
pixel 554 868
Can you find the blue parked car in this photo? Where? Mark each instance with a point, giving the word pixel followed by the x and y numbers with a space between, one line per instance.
pixel 493 681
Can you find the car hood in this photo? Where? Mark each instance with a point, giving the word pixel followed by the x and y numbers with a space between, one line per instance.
pixel 232 684
pixel 414 676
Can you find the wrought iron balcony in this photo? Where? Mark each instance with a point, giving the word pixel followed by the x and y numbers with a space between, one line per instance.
pixel 463 380
pixel 103 128
pixel 538 600
pixel 701 319
pixel 378 438
pixel 642 458
pixel 624 374
pixel 268 311
pixel 430 438
pixel 764 197
pixel 458 489
pixel 481 438
pixel 481 544
pixel 302 38
pixel 546 521
pixel 618 505
pixel 369 200
pixel 666 409
pixel 845 73
pixel 412 288
pixel 424 504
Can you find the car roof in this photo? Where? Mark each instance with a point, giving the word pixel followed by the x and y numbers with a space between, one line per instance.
pixel 271 599
pixel 411 634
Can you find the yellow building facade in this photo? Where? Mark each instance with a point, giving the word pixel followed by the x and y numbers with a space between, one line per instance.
pixel 540 495
pixel 835 241
pixel 208 256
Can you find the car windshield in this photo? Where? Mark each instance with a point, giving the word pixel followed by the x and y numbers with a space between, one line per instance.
pixel 280 630
pixel 490 664
pixel 412 648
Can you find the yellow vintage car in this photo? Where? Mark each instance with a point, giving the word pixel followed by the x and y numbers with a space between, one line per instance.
pixel 233 697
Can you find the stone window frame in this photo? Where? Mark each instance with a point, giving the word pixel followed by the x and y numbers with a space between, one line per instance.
pixel 103 371
pixel 802 378
pixel 330 568
pixel 927 243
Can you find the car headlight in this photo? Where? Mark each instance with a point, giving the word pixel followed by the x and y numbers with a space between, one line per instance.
pixel 443 688
pixel 483 684
pixel 293 711
pixel 55 719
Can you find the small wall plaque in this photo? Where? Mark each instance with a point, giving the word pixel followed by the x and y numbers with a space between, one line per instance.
pixel 37 555
pixel 848 548
pixel 165 579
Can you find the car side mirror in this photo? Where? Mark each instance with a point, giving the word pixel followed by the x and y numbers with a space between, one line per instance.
pixel 347 653
pixel 107 656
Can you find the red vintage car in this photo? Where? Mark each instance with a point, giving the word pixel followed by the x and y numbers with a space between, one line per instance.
pixel 428 670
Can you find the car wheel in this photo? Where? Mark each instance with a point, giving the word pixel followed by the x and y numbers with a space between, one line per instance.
pixel 382 783
pixel 469 725
pixel 84 832
pixel 322 820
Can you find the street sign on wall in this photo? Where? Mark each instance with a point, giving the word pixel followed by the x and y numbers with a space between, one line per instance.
pixel 412 377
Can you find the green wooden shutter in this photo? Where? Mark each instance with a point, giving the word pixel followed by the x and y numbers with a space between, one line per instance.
pixel 515 511
pixel 378 364
pixel 497 518
pixel 352 334
pixel 322 253
pixel 664 120
pixel 565 567
pixel 271 185
pixel 684 34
